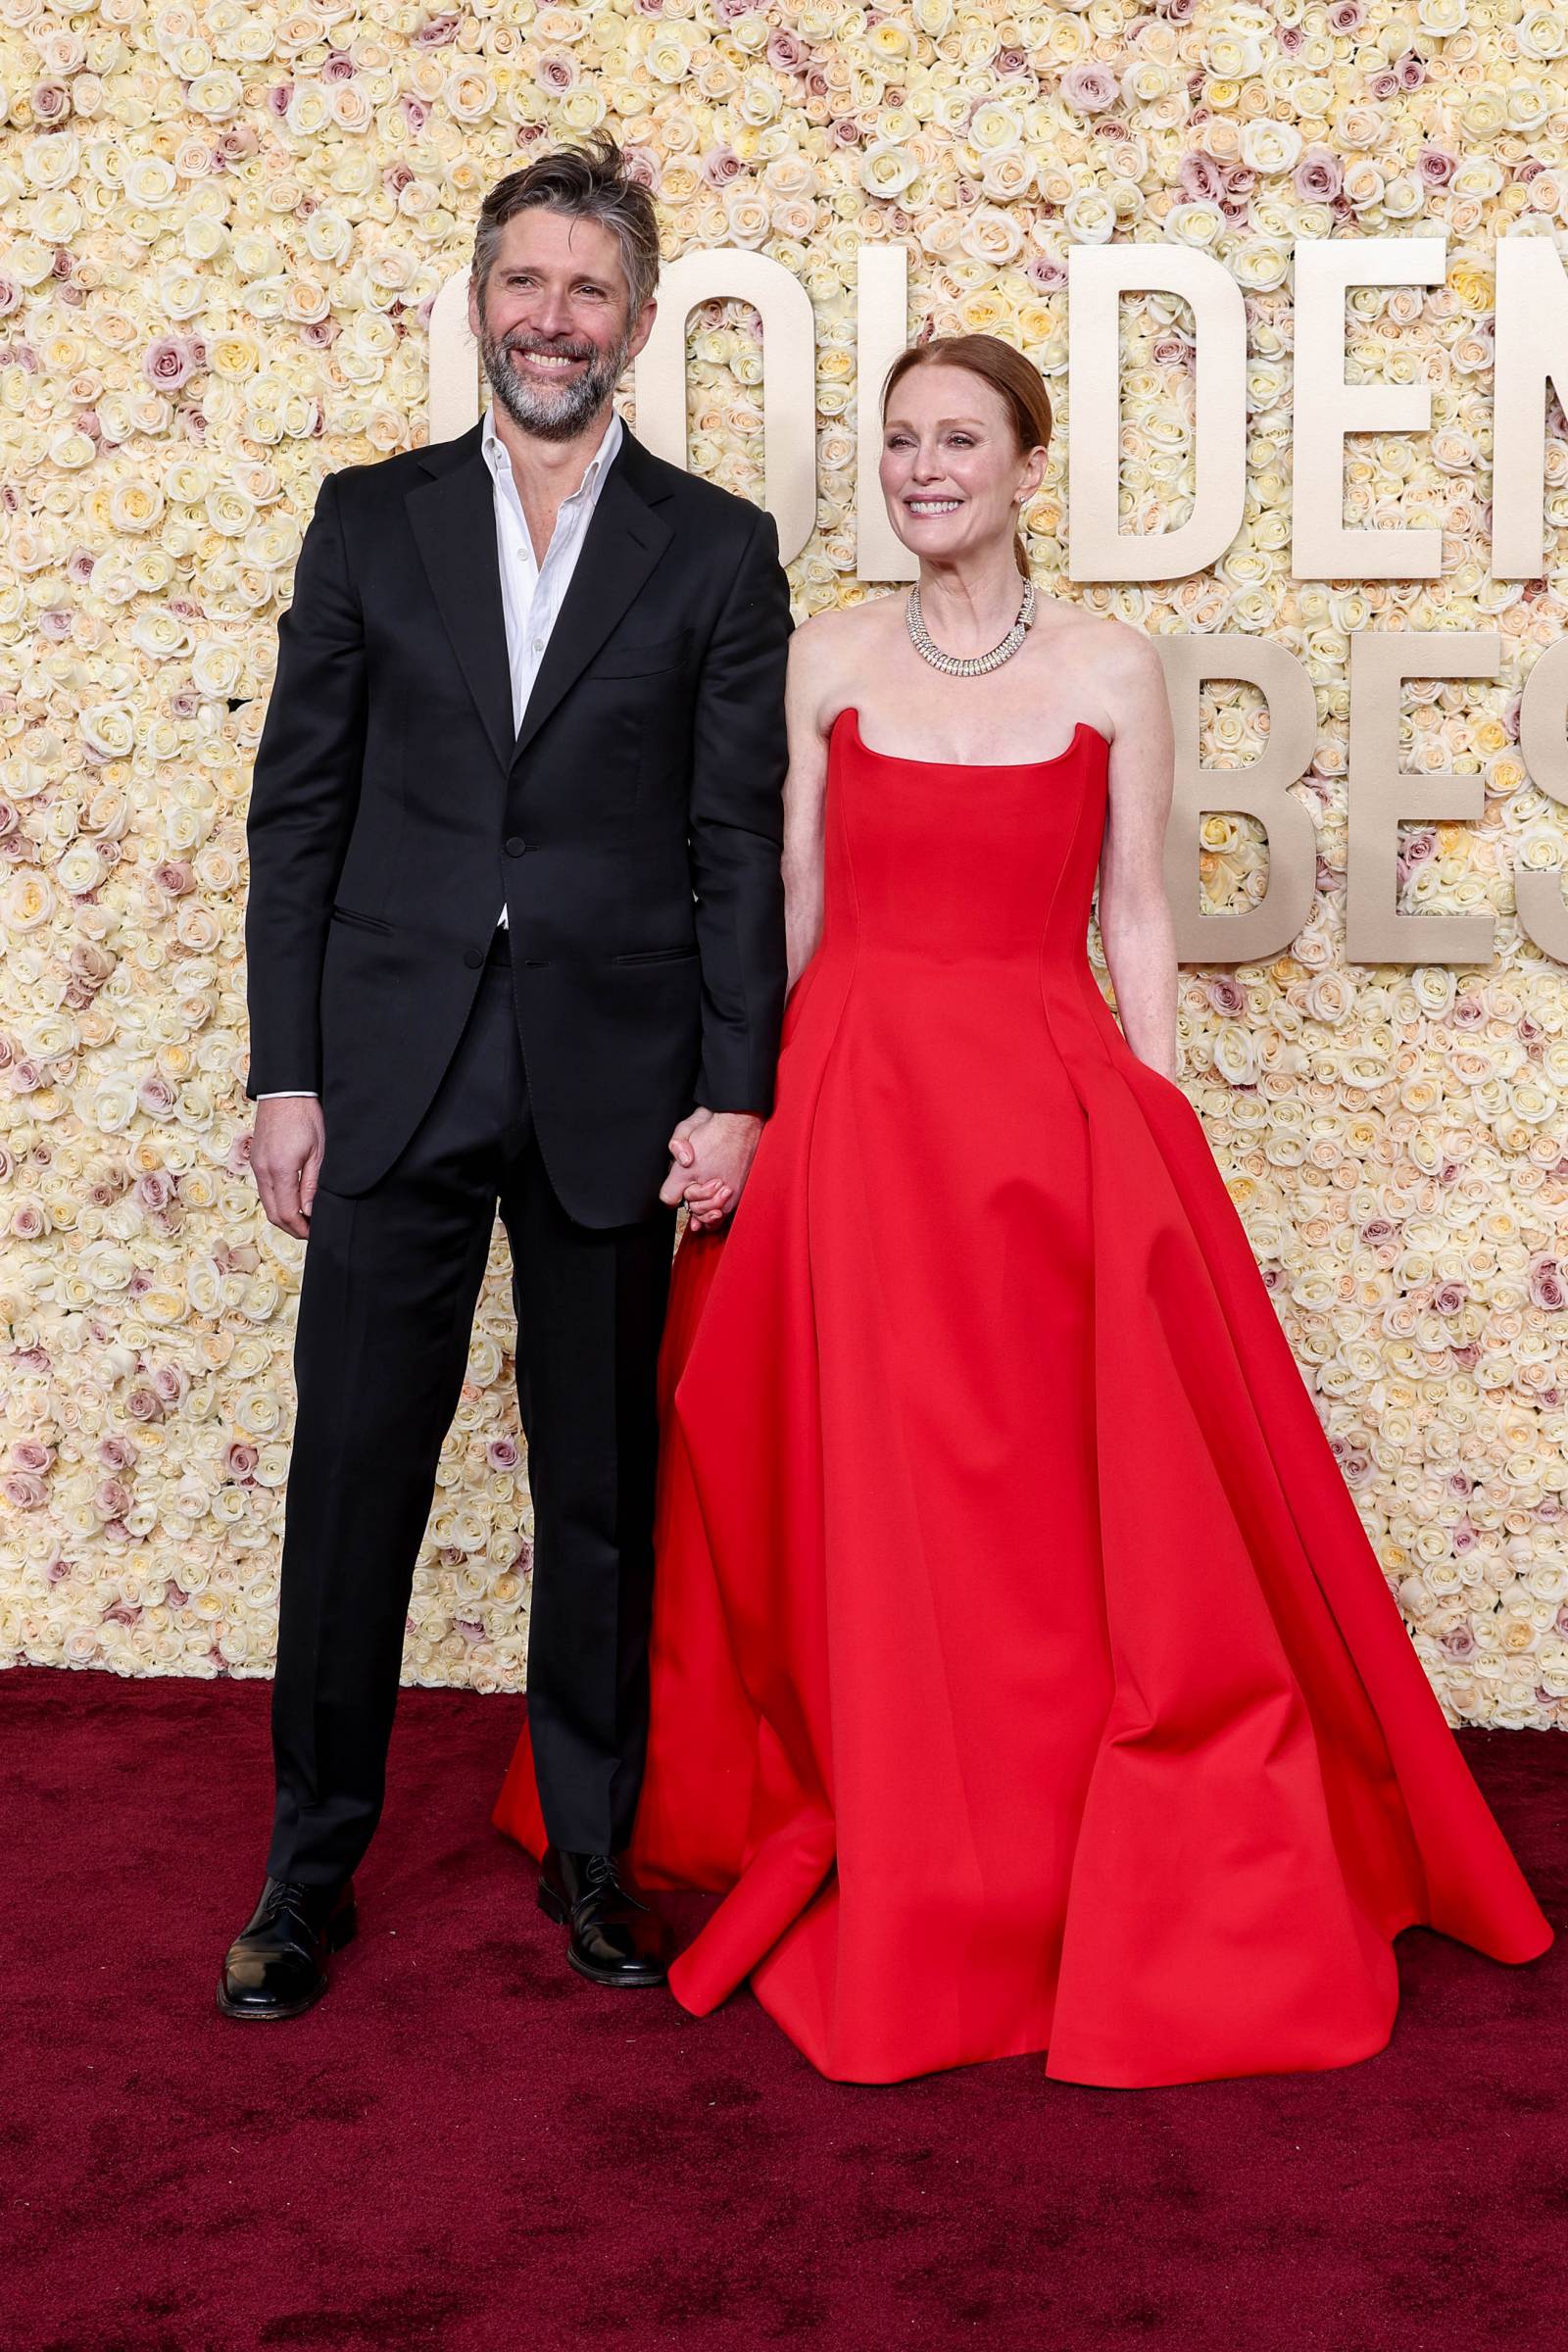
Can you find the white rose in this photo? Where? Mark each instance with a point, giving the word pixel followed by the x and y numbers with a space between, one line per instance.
pixel 1270 147
pixel 110 728
pixel 1089 216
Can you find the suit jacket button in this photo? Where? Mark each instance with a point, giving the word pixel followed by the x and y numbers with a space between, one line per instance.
pixel 516 846
pixel 474 958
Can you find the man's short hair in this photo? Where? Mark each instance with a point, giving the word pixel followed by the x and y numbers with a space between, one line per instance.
pixel 592 182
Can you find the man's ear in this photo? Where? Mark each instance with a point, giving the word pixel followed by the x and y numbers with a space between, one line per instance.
pixel 644 328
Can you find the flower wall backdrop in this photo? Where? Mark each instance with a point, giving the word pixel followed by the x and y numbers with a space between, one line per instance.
pixel 228 224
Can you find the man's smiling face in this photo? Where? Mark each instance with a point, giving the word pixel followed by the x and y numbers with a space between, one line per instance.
pixel 552 323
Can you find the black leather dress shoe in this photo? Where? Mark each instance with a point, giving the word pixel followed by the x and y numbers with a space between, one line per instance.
pixel 614 1939
pixel 276 1966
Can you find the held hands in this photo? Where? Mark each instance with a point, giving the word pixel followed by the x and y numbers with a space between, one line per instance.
pixel 285 1156
pixel 710 1158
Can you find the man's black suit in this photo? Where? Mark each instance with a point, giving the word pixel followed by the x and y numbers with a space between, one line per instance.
pixel 632 827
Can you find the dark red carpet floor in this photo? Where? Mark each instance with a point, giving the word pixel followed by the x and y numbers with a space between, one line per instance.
pixel 464 2147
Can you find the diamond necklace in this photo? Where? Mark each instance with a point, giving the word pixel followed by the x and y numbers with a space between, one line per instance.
pixel 969 665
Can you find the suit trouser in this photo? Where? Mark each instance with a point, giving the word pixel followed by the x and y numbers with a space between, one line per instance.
pixel 390 1280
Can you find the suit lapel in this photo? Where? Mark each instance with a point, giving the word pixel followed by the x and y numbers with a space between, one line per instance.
pixel 452 514
pixel 453 517
pixel 622 543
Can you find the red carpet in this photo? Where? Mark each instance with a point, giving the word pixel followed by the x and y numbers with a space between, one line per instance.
pixel 466 2148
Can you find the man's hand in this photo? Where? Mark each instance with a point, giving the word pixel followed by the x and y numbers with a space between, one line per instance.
pixel 710 1158
pixel 286 1151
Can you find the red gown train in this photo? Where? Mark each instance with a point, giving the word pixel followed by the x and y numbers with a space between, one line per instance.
pixel 1022 1671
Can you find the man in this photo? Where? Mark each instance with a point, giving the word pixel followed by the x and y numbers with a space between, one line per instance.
pixel 515 937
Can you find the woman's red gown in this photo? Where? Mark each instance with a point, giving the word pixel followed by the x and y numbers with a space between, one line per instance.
pixel 1020 1667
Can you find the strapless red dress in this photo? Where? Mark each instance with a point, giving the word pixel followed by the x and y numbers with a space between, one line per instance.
pixel 1022 1671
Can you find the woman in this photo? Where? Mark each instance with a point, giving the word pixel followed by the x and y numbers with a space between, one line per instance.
pixel 1020 1665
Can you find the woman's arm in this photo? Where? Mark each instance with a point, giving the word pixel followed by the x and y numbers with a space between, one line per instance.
pixel 808 715
pixel 1135 918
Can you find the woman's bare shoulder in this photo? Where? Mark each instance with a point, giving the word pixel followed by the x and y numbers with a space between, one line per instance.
pixel 826 634
pixel 829 654
pixel 1117 668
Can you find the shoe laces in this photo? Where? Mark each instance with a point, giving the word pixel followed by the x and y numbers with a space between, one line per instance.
pixel 287 1898
pixel 601 1876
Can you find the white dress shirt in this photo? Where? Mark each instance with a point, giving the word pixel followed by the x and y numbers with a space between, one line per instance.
pixel 531 592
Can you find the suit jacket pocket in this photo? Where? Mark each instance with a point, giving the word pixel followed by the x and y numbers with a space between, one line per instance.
pixel 362 922
pixel 657 956
pixel 638 660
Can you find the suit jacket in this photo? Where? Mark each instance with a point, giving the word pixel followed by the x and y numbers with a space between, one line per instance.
pixel 633 824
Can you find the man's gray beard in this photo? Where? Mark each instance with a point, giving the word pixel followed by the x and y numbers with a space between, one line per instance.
pixel 572 409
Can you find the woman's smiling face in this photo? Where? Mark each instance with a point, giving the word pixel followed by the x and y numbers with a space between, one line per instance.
pixel 951 473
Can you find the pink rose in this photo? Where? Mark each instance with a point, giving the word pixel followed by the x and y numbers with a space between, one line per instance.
pixel 719 165
pixel 1090 87
pixel 156 1095
pixel 1319 175
pixel 155 1188
pixel 1200 179
pixel 1546 1285
pixel 168 363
